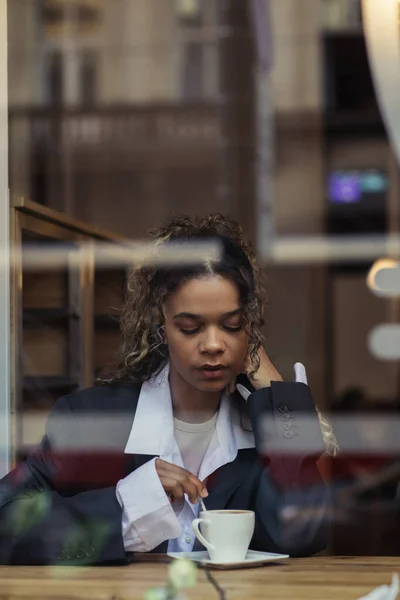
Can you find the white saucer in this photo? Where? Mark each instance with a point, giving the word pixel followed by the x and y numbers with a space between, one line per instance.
pixel 253 559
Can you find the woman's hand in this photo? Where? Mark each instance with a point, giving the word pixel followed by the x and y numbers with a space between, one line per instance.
pixel 177 482
pixel 266 372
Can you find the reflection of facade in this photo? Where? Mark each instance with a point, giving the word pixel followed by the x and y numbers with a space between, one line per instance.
pixel 128 106
pixel 71 32
pixel 59 16
pixel 120 51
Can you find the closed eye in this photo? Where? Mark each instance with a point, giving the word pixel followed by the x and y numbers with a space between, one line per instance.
pixel 233 329
pixel 190 331
pixel 195 330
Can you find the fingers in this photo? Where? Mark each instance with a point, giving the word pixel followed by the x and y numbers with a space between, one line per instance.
pixel 174 490
pixel 179 481
pixel 187 481
pixel 265 373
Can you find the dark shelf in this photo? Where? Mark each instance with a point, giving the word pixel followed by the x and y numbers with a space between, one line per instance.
pixel 360 123
pixel 35 317
pixel 345 32
pixel 107 321
pixel 114 271
pixel 359 267
pixel 49 382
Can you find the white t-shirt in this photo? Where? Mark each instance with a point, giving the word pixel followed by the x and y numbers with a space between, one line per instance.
pixel 193 440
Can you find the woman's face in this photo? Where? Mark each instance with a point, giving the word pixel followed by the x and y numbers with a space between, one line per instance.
pixel 205 332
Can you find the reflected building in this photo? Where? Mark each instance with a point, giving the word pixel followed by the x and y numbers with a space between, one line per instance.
pixel 133 100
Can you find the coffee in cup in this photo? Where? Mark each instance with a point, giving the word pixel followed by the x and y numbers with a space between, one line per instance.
pixel 225 533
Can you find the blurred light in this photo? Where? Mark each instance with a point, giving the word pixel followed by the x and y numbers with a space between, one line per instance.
pixel 187 8
pixel 283 250
pixel 384 278
pixel 357 433
pixel 45 257
pixel 384 341
pixel 323 249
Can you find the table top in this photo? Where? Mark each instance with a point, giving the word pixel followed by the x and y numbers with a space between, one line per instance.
pixel 318 578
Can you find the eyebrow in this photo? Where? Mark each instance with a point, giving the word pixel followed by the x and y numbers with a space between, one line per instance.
pixel 187 315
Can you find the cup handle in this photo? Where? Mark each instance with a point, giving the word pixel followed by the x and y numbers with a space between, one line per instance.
pixel 199 535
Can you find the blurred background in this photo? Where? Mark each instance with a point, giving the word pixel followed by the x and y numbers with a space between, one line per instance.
pixel 122 112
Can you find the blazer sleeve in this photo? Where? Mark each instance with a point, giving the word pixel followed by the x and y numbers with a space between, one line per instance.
pixel 40 523
pixel 291 500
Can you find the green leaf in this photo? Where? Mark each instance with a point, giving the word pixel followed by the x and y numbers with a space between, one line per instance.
pixel 28 512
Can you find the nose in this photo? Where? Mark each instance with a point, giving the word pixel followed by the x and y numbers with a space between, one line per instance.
pixel 212 342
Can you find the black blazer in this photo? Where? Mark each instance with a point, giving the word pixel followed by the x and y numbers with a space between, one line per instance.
pixel 60 505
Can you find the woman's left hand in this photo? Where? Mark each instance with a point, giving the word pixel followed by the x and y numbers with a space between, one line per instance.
pixel 266 371
pixel 263 376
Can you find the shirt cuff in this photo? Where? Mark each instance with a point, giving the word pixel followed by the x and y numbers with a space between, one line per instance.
pixel 148 518
pixel 300 373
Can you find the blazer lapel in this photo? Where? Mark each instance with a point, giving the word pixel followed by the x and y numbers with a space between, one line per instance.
pixel 224 482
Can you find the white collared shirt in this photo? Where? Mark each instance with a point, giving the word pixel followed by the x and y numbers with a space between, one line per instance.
pixel 148 518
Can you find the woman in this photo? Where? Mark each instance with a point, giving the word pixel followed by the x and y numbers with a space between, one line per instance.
pixel 122 466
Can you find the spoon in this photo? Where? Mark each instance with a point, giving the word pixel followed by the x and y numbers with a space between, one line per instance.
pixel 203 506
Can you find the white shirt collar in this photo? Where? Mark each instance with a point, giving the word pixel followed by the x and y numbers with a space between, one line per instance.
pixel 152 430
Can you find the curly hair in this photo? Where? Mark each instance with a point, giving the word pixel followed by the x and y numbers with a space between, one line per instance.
pixel 330 440
pixel 143 352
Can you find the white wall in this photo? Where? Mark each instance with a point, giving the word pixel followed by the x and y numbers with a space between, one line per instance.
pixel 135 43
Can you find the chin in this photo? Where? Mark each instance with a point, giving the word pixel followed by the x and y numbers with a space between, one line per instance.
pixel 211 386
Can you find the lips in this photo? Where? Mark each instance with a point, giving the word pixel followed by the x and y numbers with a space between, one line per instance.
pixel 212 371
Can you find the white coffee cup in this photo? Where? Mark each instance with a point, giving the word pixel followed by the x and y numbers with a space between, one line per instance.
pixel 225 533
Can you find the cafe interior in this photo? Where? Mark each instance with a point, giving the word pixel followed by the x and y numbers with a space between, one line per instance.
pixel 281 114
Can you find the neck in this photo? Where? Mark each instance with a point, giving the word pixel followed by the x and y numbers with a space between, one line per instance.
pixel 190 404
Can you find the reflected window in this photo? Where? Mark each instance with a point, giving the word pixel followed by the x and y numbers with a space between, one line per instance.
pixel 197 48
pixel 192 71
pixel 76 81
pixel 72 37
pixel 77 16
pixel 88 78
pixel 55 78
